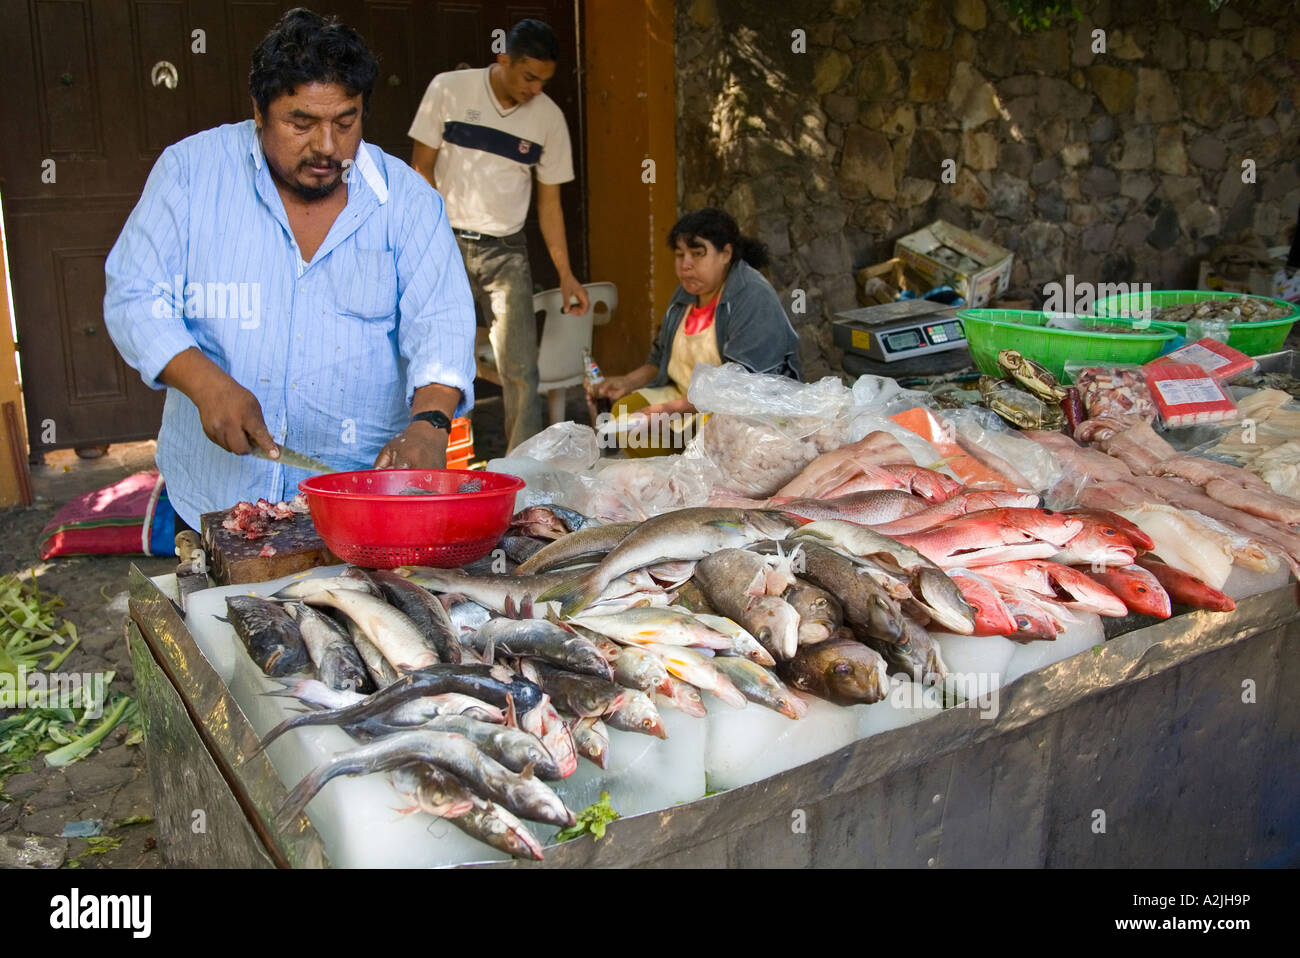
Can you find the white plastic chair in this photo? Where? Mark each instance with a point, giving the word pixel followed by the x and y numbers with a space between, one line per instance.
pixel 564 337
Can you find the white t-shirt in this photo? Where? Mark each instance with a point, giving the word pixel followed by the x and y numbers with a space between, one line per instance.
pixel 486 154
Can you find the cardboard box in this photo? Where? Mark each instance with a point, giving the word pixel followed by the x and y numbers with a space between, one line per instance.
pixel 1279 282
pixel 943 254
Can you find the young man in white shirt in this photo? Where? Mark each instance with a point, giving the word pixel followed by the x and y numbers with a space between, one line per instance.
pixel 479 135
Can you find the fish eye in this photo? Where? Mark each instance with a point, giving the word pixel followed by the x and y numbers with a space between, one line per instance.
pixel 843 668
pixel 974 607
pixel 1023 623
pixel 1142 589
pixel 1109 532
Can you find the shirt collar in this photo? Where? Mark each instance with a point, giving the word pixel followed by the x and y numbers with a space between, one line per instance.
pixel 364 163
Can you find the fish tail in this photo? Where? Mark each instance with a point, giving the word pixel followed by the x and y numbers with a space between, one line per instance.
pixel 573 596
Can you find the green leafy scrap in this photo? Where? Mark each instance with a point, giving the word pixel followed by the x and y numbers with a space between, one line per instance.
pixel 591 820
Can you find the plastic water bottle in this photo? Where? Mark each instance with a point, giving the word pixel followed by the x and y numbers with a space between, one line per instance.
pixel 592 378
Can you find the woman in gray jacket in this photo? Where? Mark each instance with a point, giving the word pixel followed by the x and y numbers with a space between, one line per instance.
pixel 723 311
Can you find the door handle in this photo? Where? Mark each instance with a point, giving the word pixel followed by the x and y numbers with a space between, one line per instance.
pixel 164 74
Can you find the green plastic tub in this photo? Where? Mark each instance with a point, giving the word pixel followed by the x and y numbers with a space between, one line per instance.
pixel 989 331
pixel 1253 339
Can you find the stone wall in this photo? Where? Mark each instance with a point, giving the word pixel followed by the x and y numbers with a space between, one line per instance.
pixel 1123 166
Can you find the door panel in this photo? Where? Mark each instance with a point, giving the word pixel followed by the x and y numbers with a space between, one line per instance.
pixel 80 93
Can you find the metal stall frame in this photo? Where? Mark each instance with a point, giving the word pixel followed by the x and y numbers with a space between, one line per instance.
pixel 1176 745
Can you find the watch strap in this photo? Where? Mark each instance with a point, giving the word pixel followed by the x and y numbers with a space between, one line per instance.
pixel 437 418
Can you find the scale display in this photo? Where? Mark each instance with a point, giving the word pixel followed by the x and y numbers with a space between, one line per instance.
pixel 900 330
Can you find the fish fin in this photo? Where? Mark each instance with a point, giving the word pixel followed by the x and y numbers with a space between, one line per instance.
pixel 489 652
pixel 222 618
pixel 526 607
pixel 512 718
pixel 573 596
pixel 528 771
pixel 511 610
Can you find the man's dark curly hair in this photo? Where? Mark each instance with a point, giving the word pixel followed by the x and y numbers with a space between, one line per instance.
pixel 305 47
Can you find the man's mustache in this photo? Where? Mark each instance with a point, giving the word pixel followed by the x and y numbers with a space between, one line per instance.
pixel 332 164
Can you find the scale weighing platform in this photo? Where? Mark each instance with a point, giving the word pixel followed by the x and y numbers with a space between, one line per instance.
pixel 901 330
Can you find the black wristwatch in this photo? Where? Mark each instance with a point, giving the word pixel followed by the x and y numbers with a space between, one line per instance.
pixel 438 419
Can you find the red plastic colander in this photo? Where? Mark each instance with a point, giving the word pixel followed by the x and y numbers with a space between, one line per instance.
pixel 365 521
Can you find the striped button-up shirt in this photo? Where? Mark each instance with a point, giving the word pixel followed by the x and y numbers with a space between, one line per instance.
pixel 333 349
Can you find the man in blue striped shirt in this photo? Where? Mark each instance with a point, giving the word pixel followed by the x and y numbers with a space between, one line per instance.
pixel 289 283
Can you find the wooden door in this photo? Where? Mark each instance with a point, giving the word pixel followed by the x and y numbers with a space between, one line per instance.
pixel 83 120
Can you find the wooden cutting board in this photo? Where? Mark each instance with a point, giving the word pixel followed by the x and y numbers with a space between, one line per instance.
pixel 232 559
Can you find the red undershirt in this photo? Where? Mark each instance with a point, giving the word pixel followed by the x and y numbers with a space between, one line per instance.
pixel 700 318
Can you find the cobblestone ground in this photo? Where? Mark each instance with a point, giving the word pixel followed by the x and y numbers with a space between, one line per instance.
pixel 112 783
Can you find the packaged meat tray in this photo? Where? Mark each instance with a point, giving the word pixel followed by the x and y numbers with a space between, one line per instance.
pixel 1186 395
pixel 1114 392
pixel 1218 359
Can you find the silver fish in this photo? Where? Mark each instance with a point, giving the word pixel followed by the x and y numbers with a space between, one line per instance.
pixel 270 635
pixel 392 632
pixel 742 643
pixel 590 544
pixel 680 535
pixel 512 747
pixel 338 664
pixel 438 793
pixel 637 714
pixel 524 795
pixel 306 588
pixel 421 607
pixel 761 686
pixel 591 738
pixel 545 640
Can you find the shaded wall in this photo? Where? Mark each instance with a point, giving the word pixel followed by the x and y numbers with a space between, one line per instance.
pixel 1117 166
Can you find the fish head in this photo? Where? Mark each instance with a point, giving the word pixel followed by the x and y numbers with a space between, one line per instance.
pixel 1031 623
pixel 853 672
pixel 945 602
pixel 769 524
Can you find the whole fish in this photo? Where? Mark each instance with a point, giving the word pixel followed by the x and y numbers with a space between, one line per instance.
pixel 866 605
pixel 637 714
pixel 512 747
pixel 689 666
pixel 668 626
pixel 524 795
pixel 392 632
pixel 972 544
pixel 592 740
pixel 751 573
pixel 683 534
pixel 544 640
pixel 375 711
pixel 338 664
pixel 958 505
pixel 581 695
pixel 742 643
pixel 868 508
pixel 761 686
pixel 1186 589
pixel 545 723
pixel 380 670
pixel 635 668
pixel 306 588
pixel 819 612
pixel 271 636
pixel 423 608
pixel 736 587
pixel 590 544
pixel 488 822
pixel 1130 531
pixel 1070 587
pixel 1099 543
pixel 918 658
pixel 840 670
pixel 1137 588
pixel 682 696
pixel 992 617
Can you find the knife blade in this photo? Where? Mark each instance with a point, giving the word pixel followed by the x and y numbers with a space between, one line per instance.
pixel 297 460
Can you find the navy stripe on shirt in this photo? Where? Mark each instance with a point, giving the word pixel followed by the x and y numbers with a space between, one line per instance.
pixel 489 140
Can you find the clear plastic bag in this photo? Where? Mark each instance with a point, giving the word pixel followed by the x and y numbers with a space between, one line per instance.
pixel 1115 392
pixel 763 429
pixel 630 490
pixel 570 446
pixel 1026 464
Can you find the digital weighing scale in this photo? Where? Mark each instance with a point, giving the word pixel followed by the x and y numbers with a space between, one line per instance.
pixel 897 331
